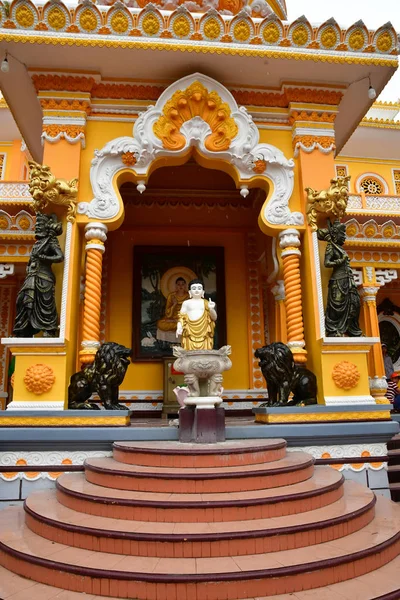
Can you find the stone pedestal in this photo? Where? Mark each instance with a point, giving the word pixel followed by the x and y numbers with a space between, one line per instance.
pixel 202 420
pixel 201 425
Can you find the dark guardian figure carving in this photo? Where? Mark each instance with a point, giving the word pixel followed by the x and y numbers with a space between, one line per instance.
pixel 36 304
pixel 103 377
pixel 343 305
pixel 283 376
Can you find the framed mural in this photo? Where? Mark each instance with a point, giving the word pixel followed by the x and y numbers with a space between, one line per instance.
pixel 160 286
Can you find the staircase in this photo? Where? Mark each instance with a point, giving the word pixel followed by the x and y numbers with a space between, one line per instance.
pixel 235 520
pixel 393 447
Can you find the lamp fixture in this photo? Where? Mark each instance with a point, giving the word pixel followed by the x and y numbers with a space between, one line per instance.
pixel 5 66
pixel 371 90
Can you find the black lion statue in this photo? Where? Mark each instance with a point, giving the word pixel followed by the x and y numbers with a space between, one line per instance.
pixel 283 376
pixel 103 377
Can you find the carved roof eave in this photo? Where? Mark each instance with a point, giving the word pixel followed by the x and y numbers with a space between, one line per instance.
pixel 240 33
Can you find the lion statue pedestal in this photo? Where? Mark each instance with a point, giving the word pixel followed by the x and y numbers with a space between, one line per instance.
pixel 202 420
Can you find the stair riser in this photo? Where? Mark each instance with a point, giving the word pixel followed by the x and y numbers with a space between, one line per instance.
pixel 211 590
pixel 200 461
pixel 201 514
pixel 395 494
pixel 198 549
pixel 198 486
pixel 394 476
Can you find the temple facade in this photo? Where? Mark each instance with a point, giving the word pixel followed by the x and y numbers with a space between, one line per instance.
pixel 146 149
pixel 198 169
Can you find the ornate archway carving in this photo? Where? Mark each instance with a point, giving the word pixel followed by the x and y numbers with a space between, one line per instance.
pixel 198 112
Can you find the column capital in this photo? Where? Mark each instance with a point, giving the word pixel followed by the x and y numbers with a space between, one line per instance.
pixel 96 230
pixel 96 235
pixel 289 242
pixel 368 293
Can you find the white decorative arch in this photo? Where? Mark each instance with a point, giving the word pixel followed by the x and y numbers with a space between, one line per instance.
pixel 145 147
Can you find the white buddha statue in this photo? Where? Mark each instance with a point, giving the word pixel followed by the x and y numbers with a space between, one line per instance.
pixel 196 320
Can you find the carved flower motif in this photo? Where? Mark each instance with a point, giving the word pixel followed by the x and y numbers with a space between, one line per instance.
pixel 346 375
pixel 56 18
pixel 259 166
pixel 351 230
pixel 388 232
pixel 271 33
pixel 3 223
pixel 119 22
pixel 370 231
pixel 329 37
pixel 241 31
pixel 356 40
pixel 39 379
pixel 151 25
pixel 24 16
pixel 384 42
pixel 212 29
pixel 88 20
pixel 300 35
pixel 181 27
pixel 24 223
pixel 129 159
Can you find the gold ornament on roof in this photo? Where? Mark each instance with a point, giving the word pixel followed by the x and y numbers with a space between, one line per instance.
pixel 212 29
pixel 56 18
pixel 119 22
pixel 196 101
pixel 24 16
pixel 356 39
pixel 329 37
pixel 271 33
pixel 331 202
pixel 46 189
pixel 384 42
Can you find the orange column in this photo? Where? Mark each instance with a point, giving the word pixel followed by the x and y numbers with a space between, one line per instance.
pixel 378 383
pixel 289 241
pixel 96 235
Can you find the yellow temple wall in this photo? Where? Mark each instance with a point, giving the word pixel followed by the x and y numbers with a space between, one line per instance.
pixel 98 134
pixel 358 167
pixel 14 160
pixel 149 375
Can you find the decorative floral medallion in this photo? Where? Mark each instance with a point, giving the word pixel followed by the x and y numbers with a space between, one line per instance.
pixel 39 379
pixel 346 375
pixel 129 159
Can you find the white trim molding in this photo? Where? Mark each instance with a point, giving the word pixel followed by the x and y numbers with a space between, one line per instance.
pixel 37 405
pixel 145 147
pixel 349 400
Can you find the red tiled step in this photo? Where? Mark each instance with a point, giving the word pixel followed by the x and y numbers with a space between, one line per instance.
pixel 224 454
pixel 381 584
pixel 46 517
pixel 295 467
pixel 146 578
pixel 323 488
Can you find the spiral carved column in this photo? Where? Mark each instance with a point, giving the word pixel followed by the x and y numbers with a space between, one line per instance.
pixel 96 235
pixel 289 241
